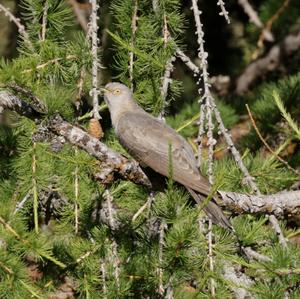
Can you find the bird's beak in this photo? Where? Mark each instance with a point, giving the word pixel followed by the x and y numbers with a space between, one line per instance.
pixel 103 89
pixel 105 92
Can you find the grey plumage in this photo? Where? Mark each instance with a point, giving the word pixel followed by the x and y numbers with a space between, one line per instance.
pixel 149 140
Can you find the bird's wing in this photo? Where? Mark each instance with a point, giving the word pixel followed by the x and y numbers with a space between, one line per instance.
pixel 149 141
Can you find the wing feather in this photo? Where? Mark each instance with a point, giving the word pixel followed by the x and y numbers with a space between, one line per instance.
pixel 148 140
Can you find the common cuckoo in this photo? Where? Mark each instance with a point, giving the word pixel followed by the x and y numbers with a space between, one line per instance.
pixel 149 140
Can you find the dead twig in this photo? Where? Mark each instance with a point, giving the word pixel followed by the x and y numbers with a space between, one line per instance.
pixel 267 145
pixel 208 97
pixel 162 228
pixel 275 58
pixel 93 27
pixel 133 31
pixel 44 21
pixel 223 12
pixel 52 61
pixel 254 18
pixel 80 15
pixel 268 27
pixel 20 26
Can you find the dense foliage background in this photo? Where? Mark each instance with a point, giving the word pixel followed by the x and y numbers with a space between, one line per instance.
pixel 63 234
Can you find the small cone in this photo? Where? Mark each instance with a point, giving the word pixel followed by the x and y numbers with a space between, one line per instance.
pixel 95 128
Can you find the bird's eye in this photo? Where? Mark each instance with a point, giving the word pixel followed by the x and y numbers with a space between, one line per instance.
pixel 117 91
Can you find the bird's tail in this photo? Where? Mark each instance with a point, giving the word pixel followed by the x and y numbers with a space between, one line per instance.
pixel 212 210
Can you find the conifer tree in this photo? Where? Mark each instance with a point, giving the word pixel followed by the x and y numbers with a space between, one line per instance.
pixel 77 216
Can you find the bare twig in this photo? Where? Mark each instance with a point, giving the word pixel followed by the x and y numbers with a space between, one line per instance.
pixel 205 100
pixel 165 31
pixel 169 289
pixel 49 62
pixel 211 259
pixel 223 12
pixel 210 100
pixel 211 141
pixel 277 14
pixel 252 14
pixel 133 31
pixel 254 18
pixel 76 193
pixel 35 191
pixel 115 258
pixel 103 276
pixel 21 204
pixel 201 132
pixel 80 88
pixel 111 213
pixel 267 145
pixel 283 272
pixel 79 14
pixel 207 106
pixel 44 20
pixel 166 80
pixel 94 29
pixel 86 255
pixel 188 62
pixel 268 27
pixel 250 180
pixel 17 22
pixel 6 269
pixel 162 229
pixel 143 207
pixel 252 254
pixel 116 263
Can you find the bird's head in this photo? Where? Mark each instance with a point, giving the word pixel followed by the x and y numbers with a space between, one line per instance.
pixel 119 99
pixel 116 93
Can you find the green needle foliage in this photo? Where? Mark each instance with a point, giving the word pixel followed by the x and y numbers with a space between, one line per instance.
pixel 103 241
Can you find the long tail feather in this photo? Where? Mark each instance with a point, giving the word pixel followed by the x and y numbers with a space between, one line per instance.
pixel 212 210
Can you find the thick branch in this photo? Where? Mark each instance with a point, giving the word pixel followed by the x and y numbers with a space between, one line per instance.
pixel 9 101
pixel 279 204
pixel 129 170
pixel 271 61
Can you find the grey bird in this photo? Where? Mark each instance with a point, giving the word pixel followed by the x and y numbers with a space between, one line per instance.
pixel 148 140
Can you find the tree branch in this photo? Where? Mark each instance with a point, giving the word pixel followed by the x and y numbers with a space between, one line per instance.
pixel 271 61
pixel 115 162
pixel 10 101
pixel 279 204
